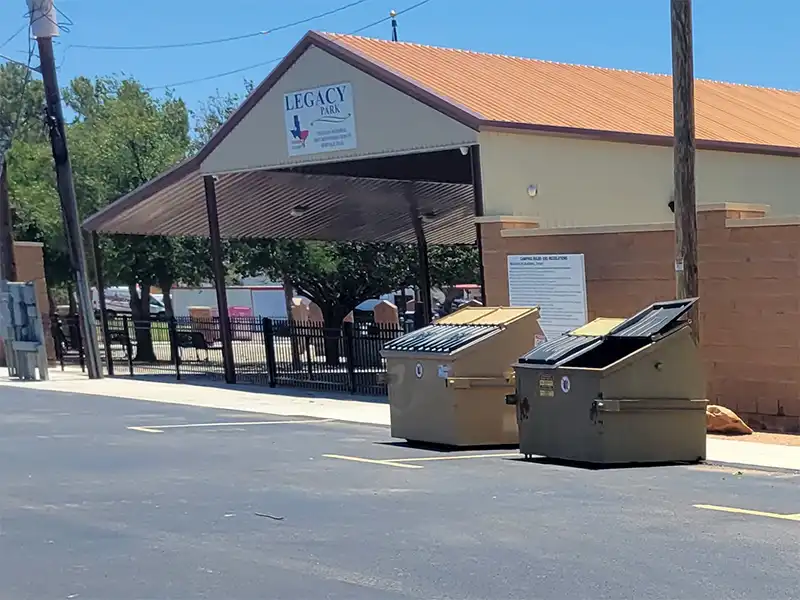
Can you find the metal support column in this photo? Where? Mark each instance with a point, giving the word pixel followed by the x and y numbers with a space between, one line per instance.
pixel 477 193
pixel 218 270
pixel 100 280
pixel 424 276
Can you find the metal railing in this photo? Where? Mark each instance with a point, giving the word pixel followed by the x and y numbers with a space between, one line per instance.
pixel 269 352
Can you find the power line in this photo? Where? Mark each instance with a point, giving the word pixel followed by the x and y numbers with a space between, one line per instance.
pixel 24 88
pixel 384 19
pixel 14 35
pixel 278 59
pixel 227 39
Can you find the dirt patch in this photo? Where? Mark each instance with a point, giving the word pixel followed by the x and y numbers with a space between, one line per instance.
pixel 779 439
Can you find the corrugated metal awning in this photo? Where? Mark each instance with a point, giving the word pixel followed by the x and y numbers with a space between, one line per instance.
pixel 281 205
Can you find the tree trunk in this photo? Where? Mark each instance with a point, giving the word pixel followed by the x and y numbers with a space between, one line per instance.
pixel 333 334
pixel 140 310
pixel 51 301
pixel 166 290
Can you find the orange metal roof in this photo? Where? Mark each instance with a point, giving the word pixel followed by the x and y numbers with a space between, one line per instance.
pixel 507 91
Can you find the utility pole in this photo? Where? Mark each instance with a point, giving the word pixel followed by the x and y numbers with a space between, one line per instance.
pixel 8 267
pixel 684 157
pixel 44 26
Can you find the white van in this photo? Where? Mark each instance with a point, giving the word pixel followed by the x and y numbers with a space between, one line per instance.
pixel 118 302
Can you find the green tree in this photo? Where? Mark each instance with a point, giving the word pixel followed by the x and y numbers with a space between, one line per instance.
pixel 336 276
pixel 450 266
pixel 212 113
pixel 21 105
pixel 36 212
pixel 121 138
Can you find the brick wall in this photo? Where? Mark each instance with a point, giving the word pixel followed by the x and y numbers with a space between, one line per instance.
pixel 749 288
pixel 29 259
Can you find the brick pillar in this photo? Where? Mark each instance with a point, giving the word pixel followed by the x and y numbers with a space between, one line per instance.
pixel 495 252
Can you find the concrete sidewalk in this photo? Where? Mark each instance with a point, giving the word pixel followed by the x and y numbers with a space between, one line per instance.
pixel 299 403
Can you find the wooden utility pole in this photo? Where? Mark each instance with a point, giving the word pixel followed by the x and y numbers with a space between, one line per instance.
pixel 44 27
pixel 684 156
pixel 8 267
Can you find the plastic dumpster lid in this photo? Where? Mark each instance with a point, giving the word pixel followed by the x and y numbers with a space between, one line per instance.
pixel 600 326
pixel 486 315
pixel 555 350
pixel 440 339
pixel 653 320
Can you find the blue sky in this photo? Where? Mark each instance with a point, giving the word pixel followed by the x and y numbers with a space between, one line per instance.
pixel 744 41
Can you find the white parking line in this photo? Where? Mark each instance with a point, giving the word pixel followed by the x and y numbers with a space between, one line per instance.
pixel 457 457
pixel 161 428
pixel 372 461
pixel 752 513
pixel 406 462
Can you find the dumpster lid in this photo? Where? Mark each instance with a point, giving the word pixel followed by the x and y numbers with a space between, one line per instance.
pixel 600 326
pixel 555 350
pixel 654 320
pixel 486 315
pixel 440 339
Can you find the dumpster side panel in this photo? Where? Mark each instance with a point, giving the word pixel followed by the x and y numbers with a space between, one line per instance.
pixel 669 368
pixel 484 419
pixel 421 405
pixel 555 423
pixel 643 435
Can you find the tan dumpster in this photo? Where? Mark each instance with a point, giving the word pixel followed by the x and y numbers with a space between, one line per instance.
pixel 629 392
pixel 448 381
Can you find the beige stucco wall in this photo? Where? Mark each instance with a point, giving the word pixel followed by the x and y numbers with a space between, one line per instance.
pixel 387 121
pixel 586 183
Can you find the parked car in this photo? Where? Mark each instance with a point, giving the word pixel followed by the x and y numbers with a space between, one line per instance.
pixel 118 302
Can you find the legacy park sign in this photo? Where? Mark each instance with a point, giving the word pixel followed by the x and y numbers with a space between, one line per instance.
pixel 320 119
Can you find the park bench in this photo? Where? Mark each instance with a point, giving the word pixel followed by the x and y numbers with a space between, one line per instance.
pixel 192 339
pixel 121 337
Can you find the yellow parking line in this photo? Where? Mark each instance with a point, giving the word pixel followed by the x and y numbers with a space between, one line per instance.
pixel 146 429
pixel 754 513
pixel 388 463
pixel 458 457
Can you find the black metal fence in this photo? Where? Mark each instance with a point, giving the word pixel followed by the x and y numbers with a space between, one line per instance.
pixel 270 352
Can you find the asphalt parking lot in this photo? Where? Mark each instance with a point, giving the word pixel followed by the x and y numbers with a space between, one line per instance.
pixel 108 498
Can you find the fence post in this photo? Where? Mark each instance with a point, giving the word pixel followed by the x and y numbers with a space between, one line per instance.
pixel 309 364
pixel 350 354
pixel 57 333
pixel 107 346
pixel 81 355
pixel 174 350
pixel 127 340
pixel 269 346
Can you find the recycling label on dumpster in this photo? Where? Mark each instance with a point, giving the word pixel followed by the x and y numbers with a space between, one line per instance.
pixel 546 387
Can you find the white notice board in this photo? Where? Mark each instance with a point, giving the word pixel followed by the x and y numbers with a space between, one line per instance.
pixel 554 282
